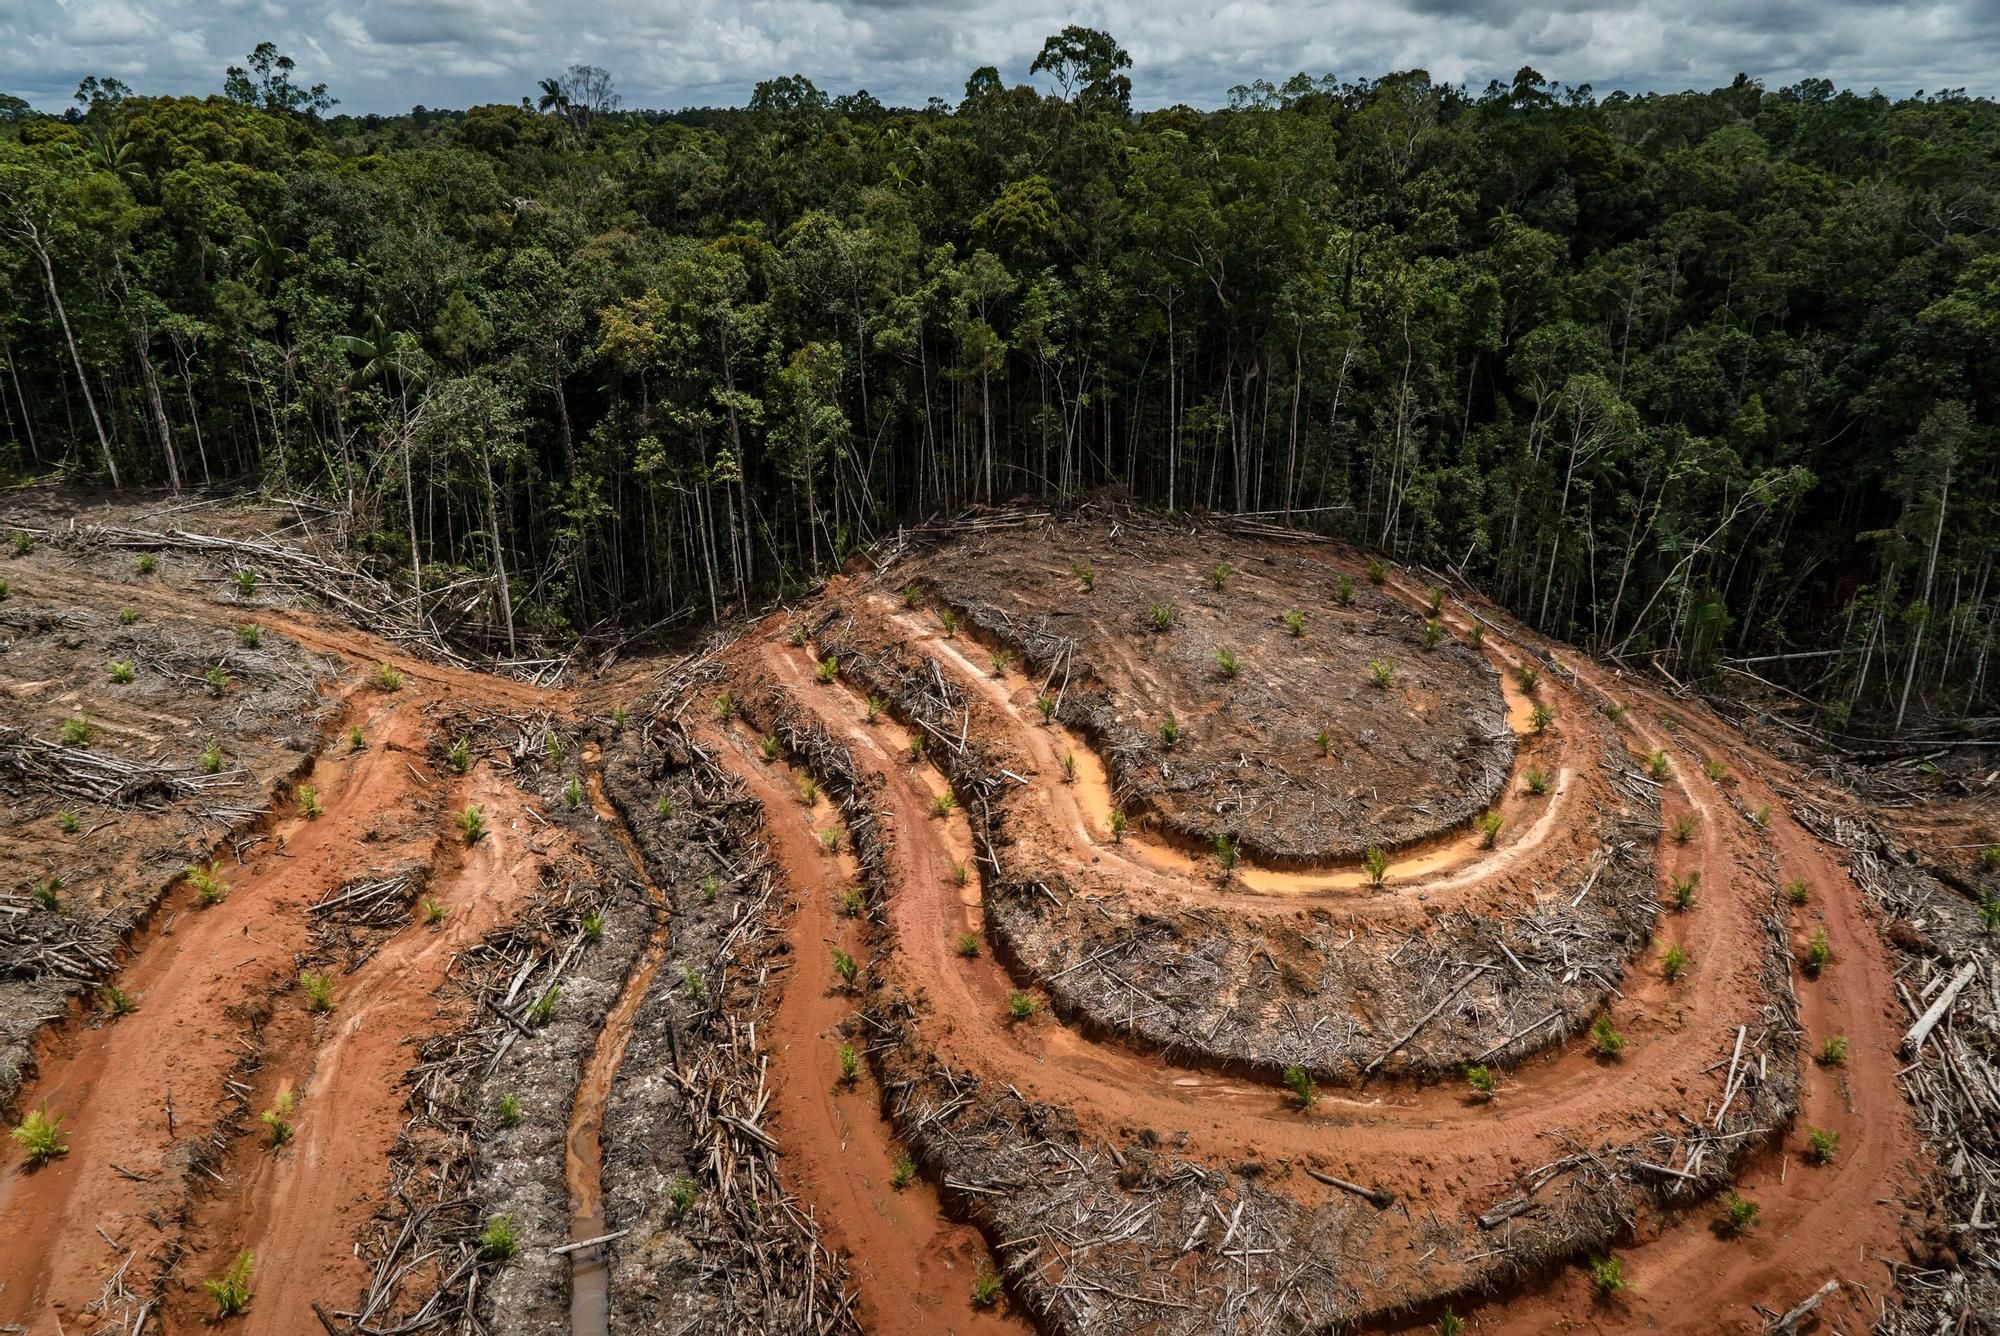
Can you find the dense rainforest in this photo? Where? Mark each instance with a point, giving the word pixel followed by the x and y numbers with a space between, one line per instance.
pixel 1705 380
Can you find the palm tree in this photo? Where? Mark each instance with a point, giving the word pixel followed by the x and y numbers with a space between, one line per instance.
pixel 383 354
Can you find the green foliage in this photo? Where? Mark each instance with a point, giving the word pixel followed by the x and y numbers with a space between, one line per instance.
pixel 1069 765
pixel 123 670
pixel 1739 1213
pixel 1989 911
pixel 1377 864
pixel 1118 820
pixel 46 895
pixel 593 925
pixel 41 1137
pixel 318 989
pixel 949 621
pixel 356 741
pixel 115 1001
pixel 1218 575
pixel 1085 575
pixel 1821 1145
pixel 1227 663
pixel 1819 953
pixel 829 840
pixel 1529 677
pixel 1451 1324
pixel 1377 573
pixel 1382 672
pixel 1681 887
pixel 544 1008
pixel 904 1173
pixel 1657 764
pixel 1343 591
pixel 1481 1080
pixel 1796 893
pixel 808 790
pixel 230 1292
pixel 876 705
pixel 509 1111
pixel 1489 825
pixel 1674 962
pixel 985 1287
pixel 1323 743
pixel 22 542
pixel 1170 730
pixel 968 944
pixel 216 680
pixel 210 760
pixel 1541 717
pixel 1604 1037
pixel 1434 602
pixel 209 887
pixel 1295 622
pixel 1046 704
pixel 827 670
pixel 498 1241
pixel 77 732
pixel 573 792
pixel 850 1064
pixel 1717 772
pixel 1537 780
pixel 1001 660
pixel 126 616
pixel 386 677
pixel 725 706
pixel 1300 1082
pixel 458 756
pixel 681 1196
pixel 249 635
pixel 66 822
pixel 277 1119
pixel 1021 1006
pixel 246 581
pixel 432 911
pixel 1607 1276
pixel 307 796
pixel 148 563
pixel 1162 616
pixel 845 966
pixel 471 823
pixel 852 901
pixel 693 984
pixel 1225 854
pixel 1833 1050
pixel 1683 827
pixel 1433 633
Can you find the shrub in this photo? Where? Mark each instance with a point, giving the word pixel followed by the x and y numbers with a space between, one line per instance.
pixel 432 910
pixel 1046 704
pixel 246 581
pixel 1674 963
pixel 544 1009
pixel 828 669
pixel 1821 1145
pixel 1604 1037
pixel 1323 740
pixel 985 1287
pixel 459 756
pixel 850 1064
pixel 66 822
pixel 1656 763
pixel 1085 576
pixel 1682 886
pixel 693 984
pixel 123 670
pixel 216 680
pixel 1537 780
pixel 1001 660
pixel 498 1240
pixel 593 925
pixel 277 1119
pixel 1227 663
pixel 1833 1050
pixel 725 706
pixel 1020 1005
pixel 1225 854
pixel 148 563
pixel 41 1137
pixel 1343 591
pixel 1433 632
pixel 231 1290
pixel 949 620
pixel 1163 616
pixel 1382 672
pixel 471 823
pixel 47 895
pixel 208 884
pixel 1818 953
pixel 681 1194
pixel 1796 892
pixel 1295 622
pixel 1377 574
pixel 1170 730
pixel 1541 717
pixel 1739 1213
pixel 308 798
pixel 1683 827
pixel 1300 1081
pixel 1481 1080
pixel 510 1110
pixel 904 1173
pixel 968 944
pixel 1607 1276
pixel 76 732
pixel 126 616
pixel 210 760
pixel 846 967
pixel 1377 864
pixel 249 635
pixel 1218 575
pixel 1489 825
pixel 573 792
pixel 318 989
pixel 355 740
pixel 115 1001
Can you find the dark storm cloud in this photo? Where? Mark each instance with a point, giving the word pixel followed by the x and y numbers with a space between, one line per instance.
pixel 384 55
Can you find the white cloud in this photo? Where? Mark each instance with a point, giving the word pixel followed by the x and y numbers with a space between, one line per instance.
pixel 384 55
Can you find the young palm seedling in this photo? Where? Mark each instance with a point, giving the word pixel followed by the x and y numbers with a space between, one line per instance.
pixel 308 796
pixel 1343 591
pixel 1739 1213
pixel 1046 704
pixel 231 1290
pixel 1604 1037
pixel 681 1195
pixel 499 1240
pixel 1607 1276
pixel 850 1065
pixel 1069 765
pixel 544 1009
pixel 458 756
pixel 1227 663
pixel 796 636
pixel 1482 1082
pixel 41 1137
pixel 1225 854
pixel 829 840
pixel 968 945
pixel 76 732
pixel 123 670
pixel 1295 622
pixel 593 925
pixel 693 984
pixel 949 621
pixel 148 563
pixel 916 749
pixel 510 1111
pixel 249 635
pixel 1301 1083
pixel 277 1119
pixel 356 739
pixel 126 616
pixel 1118 820
pixel 846 967
pixel 1085 576
pixel 115 1001
pixel 1657 764
pixel 1681 886
pixel 432 911
pixel 1674 963
pixel 46 895
pixel 1021 1006
pixel 1833 1051
pixel 1170 730
pixel 725 706
pixel 67 823
pixel 985 1287
pixel 209 887
pixel 852 901
pixel 912 596
pixel 1000 660
pixel 1489 825
pixel 210 760
pixel 827 670
pixel 1537 780
pixel 246 581
pixel 1382 672
pixel 1434 601
pixel 1683 827
pixel 1541 717
pixel 904 1174
pixel 875 707
pixel 1821 1145
pixel 1162 616
pixel 573 792
pixel 1218 575
pixel 1819 952
pixel 1377 864
pixel 471 823
pixel 1433 633
pixel 217 681
pixel 1377 573
pixel 318 989
pixel 808 790
pixel 1529 677
pixel 387 677
pixel 1323 742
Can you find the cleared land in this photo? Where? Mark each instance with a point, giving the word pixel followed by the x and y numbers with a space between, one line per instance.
pixel 1077 924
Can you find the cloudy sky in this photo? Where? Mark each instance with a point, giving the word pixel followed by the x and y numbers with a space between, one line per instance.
pixel 386 55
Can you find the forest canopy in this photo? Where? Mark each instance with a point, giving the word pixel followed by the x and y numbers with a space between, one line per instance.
pixel 1705 379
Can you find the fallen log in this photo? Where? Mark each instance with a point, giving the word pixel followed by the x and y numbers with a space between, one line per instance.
pixel 1914 1040
pixel 1381 1199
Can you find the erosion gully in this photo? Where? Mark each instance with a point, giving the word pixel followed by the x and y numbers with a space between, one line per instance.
pixel 583 1158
